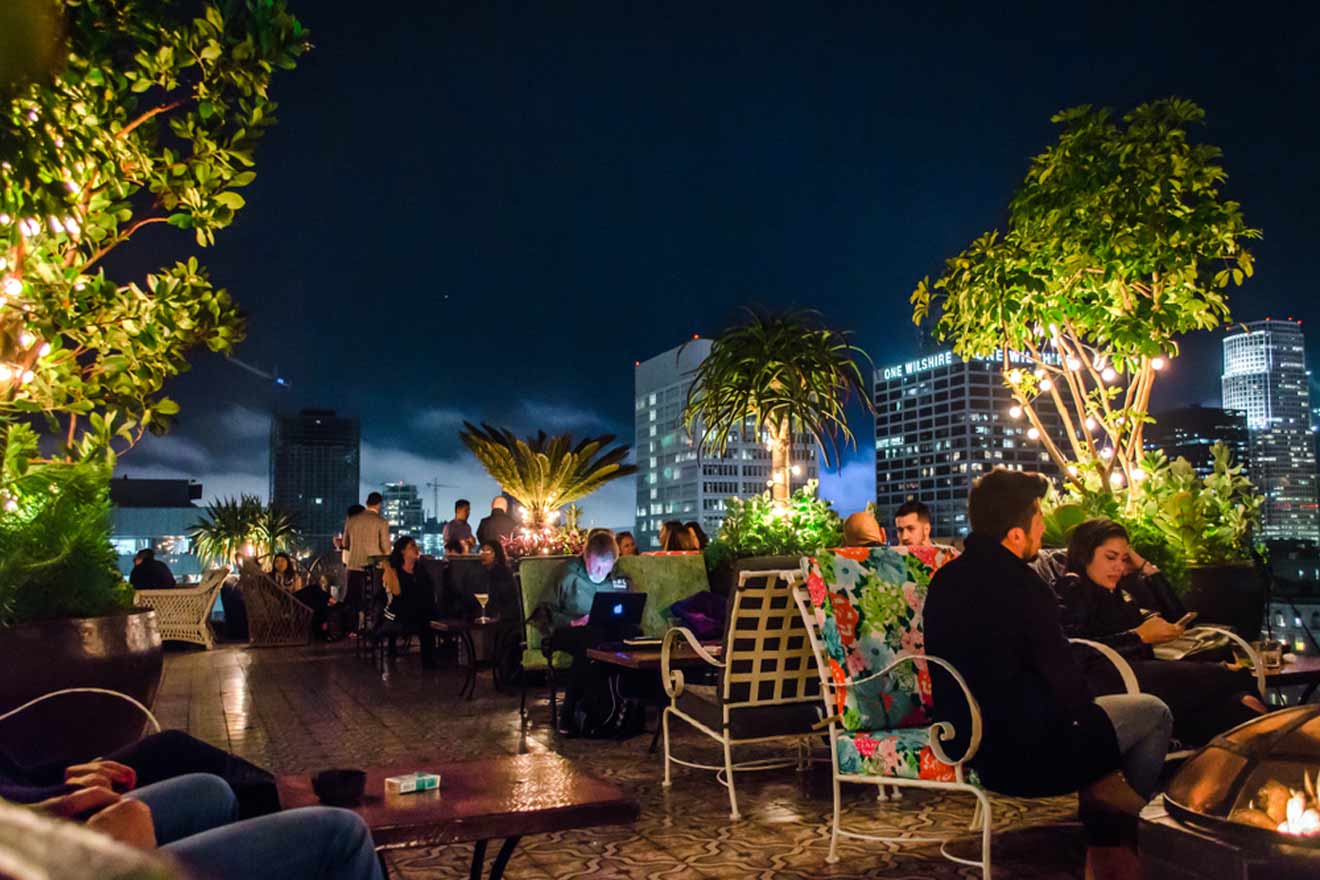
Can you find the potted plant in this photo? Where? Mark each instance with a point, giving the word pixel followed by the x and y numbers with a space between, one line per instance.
pixel 150 119
pixel 761 534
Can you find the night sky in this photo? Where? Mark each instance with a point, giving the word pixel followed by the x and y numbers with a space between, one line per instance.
pixel 491 210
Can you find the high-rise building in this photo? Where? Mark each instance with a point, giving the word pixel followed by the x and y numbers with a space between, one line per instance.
pixel 1189 432
pixel 675 478
pixel 940 422
pixel 402 509
pixel 432 538
pixel 1265 375
pixel 314 471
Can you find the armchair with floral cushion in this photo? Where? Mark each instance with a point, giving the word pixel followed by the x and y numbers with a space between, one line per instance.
pixel 863 611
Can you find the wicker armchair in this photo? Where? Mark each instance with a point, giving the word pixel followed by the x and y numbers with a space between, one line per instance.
pixel 182 614
pixel 275 617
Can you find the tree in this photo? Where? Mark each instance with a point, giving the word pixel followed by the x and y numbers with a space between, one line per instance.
pixel 243 526
pixel 153 119
pixel 544 473
pixel 782 375
pixel 1118 241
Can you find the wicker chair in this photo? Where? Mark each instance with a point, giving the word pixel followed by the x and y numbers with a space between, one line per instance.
pixel 768 687
pixel 182 614
pixel 275 617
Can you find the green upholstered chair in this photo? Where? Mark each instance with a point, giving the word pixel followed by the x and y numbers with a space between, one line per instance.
pixel 537 578
pixel 665 580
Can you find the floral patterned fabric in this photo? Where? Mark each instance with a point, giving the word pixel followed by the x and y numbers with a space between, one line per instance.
pixel 902 753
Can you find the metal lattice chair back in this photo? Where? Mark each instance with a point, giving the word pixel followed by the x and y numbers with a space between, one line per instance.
pixel 768 656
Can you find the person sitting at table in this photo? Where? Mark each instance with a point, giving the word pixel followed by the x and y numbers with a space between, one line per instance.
pixel 149 573
pixel 860 529
pixel 496 581
pixel 1206 698
pixel 328 620
pixel 194 820
pixel 284 573
pixel 583 577
pixel 675 538
pixel 411 604
pixel 627 544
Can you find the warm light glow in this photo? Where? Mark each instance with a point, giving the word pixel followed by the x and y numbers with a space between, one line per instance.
pixel 6 373
pixel 11 505
pixel 248 550
pixel 1138 475
pixel 779 510
pixel 1157 363
pixel 1109 375
pixel 1115 479
pixel 1033 433
pixel 28 376
pixel 1106 453
pixel 44 350
pixel 13 287
pixel 26 339
pixel 1090 423
pixel 1072 470
pixel 1046 384
pixel 1038 373
pixel 1014 376
pixel 1074 363
pixel 797 470
pixel 1015 411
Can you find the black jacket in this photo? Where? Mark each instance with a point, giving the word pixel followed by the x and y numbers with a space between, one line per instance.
pixel 151 574
pixel 1111 617
pixel 496 527
pixel 997 622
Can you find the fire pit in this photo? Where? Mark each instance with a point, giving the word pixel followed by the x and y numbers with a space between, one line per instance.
pixel 1246 805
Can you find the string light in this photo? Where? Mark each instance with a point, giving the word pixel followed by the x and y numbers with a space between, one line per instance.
pixel 1015 376
pixel 4 219
pixel 1109 375
pixel 1073 363
pixel 1116 479
pixel 1138 475
pixel 6 373
pixel 4 264
pixel 797 470
pixel 1033 433
pixel 1046 384
pixel 1015 412
pixel 26 339
pixel 11 505
pixel 1106 453
pixel 44 350
pixel 1072 470
pixel 28 376
pixel 1090 423
pixel 1157 364
pixel 1038 373
pixel 55 225
pixel 13 287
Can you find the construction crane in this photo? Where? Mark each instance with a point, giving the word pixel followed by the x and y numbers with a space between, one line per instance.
pixel 435 485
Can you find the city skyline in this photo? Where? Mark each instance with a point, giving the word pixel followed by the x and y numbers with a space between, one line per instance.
pixel 562 192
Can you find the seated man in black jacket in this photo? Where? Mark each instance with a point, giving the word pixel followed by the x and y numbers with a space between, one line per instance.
pixel 1043 732
pixel 1206 699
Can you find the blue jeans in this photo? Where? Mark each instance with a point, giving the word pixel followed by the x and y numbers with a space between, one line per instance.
pixel 194 820
pixel 1142 724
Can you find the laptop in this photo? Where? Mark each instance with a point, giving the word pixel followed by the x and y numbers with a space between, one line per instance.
pixel 617 615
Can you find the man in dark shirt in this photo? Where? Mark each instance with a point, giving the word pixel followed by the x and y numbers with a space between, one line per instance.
pixel 149 573
pixel 499 525
pixel 1043 733
pixel 458 530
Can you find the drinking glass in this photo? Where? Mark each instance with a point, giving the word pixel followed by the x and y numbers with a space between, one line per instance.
pixel 482 598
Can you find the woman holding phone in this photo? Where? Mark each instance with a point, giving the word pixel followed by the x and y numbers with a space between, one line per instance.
pixel 1206 698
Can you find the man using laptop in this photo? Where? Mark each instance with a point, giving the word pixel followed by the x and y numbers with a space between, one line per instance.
pixel 593 572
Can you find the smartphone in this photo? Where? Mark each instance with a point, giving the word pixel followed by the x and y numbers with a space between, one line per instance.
pixel 1186 619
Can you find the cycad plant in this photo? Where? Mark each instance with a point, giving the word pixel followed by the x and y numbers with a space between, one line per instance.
pixel 544 473
pixel 243 526
pixel 780 375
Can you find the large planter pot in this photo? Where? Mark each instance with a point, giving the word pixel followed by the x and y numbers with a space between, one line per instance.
pixel 119 652
pixel 1231 595
pixel 724 578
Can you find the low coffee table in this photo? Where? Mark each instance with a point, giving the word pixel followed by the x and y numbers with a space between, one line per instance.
pixel 464 628
pixel 647 658
pixel 1305 670
pixel 506 798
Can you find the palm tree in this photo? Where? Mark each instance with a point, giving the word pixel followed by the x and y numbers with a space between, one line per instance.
pixel 544 473
pixel 243 526
pixel 778 374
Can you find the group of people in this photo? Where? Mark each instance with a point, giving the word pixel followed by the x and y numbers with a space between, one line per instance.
pixel 1055 717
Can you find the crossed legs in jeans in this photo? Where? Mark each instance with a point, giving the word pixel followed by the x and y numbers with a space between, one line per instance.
pixel 1142 724
pixel 194 818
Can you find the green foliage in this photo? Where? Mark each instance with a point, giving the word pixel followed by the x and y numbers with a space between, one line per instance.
pixel 55 554
pixel 785 374
pixel 1117 242
pixel 243 526
pixel 545 472
pixel 152 119
pixel 762 526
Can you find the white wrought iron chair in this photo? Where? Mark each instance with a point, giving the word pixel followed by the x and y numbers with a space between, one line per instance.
pixel 869 743
pixel 182 613
pixel 767 689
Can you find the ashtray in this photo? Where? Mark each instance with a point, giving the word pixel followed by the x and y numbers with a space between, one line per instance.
pixel 339 787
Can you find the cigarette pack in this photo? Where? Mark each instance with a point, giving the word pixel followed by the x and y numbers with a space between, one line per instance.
pixel 411 783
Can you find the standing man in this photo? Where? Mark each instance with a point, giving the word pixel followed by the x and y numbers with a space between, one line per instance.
pixel 912 521
pixel 366 534
pixel 1043 732
pixel 457 530
pixel 499 525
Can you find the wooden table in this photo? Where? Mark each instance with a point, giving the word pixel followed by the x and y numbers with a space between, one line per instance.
pixel 464 628
pixel 647 658
pixel 1305 670
pixel 505 797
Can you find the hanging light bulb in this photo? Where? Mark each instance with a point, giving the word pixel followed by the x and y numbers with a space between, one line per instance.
pixel 44 350
pixel 1138 475
pixel 796 469
pixel 13 287
pixel 1014 376
pixel 1072 470
pixel 28 376
pixel 1015 411
pixel 6 373
pixel 1033 433
pixel 1157 363
pixel 1038 373
pixel 1090 423
pixel 1116 479
pixel 1046 384
pixel 1073 363
pixel 1107 453
pixel 26 339
pixel 1109 375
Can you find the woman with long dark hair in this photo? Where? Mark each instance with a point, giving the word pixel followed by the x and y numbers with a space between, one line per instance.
pixel 502 590
pixel 411 598
pixel 1206 698
pixel 284 571
pixel 675 537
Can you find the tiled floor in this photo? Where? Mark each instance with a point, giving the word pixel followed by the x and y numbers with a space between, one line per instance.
pixel 294 710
